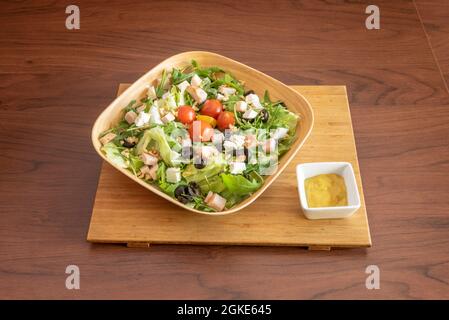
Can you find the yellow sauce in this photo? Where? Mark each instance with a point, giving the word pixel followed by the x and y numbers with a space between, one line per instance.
pixel 326 190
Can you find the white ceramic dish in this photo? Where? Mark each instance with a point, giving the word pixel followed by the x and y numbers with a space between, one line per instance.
pixel 344 169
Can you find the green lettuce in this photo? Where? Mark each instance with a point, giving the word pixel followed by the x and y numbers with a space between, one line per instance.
pixel 113 153
pixel 239 185
pixel 192 174
pixel 157 138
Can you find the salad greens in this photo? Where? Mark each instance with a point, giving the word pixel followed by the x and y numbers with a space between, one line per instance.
pixel 201 138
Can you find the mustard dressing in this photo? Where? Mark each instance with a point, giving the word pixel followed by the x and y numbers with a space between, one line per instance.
pixel 326 190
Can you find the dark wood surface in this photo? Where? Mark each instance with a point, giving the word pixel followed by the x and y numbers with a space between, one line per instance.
pixel 54 82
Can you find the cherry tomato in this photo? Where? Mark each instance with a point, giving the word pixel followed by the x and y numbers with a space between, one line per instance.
pixel 225 119
pixel 212 108
pixel 201 131
pixel 186 114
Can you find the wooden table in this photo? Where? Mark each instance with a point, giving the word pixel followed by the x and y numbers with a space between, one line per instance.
pixel 55 82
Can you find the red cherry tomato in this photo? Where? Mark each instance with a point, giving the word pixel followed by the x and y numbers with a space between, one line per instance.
pixel 186 114
pixel 212 108
pixel 225 119
pixel 200 130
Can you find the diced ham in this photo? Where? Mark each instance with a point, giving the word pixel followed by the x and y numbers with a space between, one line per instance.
pixel 145 169
pixel 153 171
pixel 148 159
pixel 215 201
pixel 107 138
pixel 269 145
pixel 250 141
pixel 151 92
pixel 141 108
pixel 130 117
pixel 169 117
pixel 197 93
pixel 209 196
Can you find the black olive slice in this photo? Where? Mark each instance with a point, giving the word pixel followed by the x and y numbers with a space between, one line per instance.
pixel 128 145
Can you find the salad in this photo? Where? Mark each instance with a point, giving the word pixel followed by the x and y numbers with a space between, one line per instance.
pixel 201 137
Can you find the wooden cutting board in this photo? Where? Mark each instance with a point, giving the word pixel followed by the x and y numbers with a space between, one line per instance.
pixel 124 212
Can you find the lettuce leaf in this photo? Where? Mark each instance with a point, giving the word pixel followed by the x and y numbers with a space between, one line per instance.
pixel 239 185
pixel 192 174
pixel 162 145
pixel 168 188
pixel 113 153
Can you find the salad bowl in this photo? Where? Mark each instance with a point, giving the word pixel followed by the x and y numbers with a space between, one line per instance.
pixel 256 80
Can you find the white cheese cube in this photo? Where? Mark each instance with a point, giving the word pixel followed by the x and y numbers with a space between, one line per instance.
pixel 155 116
pixel 226 91
pixel 237 167
pixel 229 145
pixel 197 93
pixel 250 114
pixel 208 152
pixel 279 133
pixel 130 117
pixel 238 139
pixel 218 137
pixel 142 119
pixel 241 106
pixel 186 142
pixel 220 97
pixel 253 99
pixel 196 81
pixel 183 86
pixel 151 92
pixel 169 117
pixel 173 175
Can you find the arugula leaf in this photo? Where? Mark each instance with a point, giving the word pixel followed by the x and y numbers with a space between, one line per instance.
pixel 162 83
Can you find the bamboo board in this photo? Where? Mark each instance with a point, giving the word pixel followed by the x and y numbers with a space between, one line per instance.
pixel 124 212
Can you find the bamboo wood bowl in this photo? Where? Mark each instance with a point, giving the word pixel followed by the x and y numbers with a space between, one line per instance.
pixel 254 80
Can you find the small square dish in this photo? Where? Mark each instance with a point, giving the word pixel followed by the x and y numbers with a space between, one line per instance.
pixel 343 169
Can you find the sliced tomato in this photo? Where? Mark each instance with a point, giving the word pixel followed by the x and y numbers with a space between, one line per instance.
pixel 212 108
pixel 208 119
pixel 225 119
pixel 200 130
pixel 186 114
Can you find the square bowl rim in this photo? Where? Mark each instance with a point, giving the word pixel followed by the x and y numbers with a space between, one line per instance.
pixel 303 166
pixel 288 157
